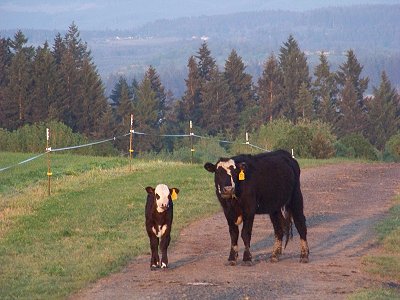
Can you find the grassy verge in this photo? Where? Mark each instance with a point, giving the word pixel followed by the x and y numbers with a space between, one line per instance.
pixel 91 225
pixel 93 222
pixel 386 266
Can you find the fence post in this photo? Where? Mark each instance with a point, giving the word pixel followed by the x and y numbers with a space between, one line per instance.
pixel 48 151
pixel 191 140
pixel 247 141
pixel 130 144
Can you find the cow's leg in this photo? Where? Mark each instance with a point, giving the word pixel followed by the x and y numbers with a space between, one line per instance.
pixel 234 233
pixel 155 259
pixel 165 240
pixel 300 223
pixel 246 236
pixel 276 219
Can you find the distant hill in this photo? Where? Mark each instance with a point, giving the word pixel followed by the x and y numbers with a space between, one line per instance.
pixel 372 31
pixel 127 14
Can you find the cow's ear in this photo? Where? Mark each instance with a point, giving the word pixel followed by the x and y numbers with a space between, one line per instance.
pixel 242 169
pixel 150 190
pixel 209 167
pixel 241 166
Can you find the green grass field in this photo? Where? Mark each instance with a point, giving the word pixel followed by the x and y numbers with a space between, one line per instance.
pixel 93 222
pixel 386 266
pixel 91 225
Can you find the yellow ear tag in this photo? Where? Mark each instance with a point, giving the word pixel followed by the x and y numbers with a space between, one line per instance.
pixel 241 175
pixel 174 195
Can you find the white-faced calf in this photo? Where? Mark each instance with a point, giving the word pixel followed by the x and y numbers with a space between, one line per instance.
pixel 159 215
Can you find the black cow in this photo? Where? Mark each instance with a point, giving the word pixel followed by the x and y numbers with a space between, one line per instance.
pixel 159 215
pixel 266 183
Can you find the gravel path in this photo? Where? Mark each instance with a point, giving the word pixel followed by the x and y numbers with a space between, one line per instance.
pixel 342 204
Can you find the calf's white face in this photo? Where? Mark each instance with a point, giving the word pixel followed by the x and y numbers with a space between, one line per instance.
pixel 162 193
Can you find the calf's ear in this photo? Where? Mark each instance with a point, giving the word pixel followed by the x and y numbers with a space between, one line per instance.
pixel 209 167
pixel 174 193
pixel 150 190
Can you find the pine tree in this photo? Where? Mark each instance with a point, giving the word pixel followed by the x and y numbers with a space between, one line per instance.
pixel 240 85
pixel 270 91
pixel 94 103
pixel 325 91
pixel 20 82
pixel 59 48
pixel 219 106
pixel 383 109
pixel 206 63
pixel 44 91
pixel 304 103
pixel 124 108
pixel 5 61
pixel 146 116
pixel 295 71
pixel 189 107
pixel 116 92
pixel 351 71
pixel 82 101
pixel 352 116
pixel 159 90
pixel 349 74
pixel 69 102
pixel 107 127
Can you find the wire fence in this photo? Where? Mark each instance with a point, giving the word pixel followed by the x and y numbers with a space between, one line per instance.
pixel 132 132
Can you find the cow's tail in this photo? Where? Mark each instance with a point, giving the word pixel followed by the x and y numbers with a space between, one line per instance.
pixel 287 226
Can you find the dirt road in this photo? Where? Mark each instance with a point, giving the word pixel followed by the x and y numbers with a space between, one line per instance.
pixel 342 204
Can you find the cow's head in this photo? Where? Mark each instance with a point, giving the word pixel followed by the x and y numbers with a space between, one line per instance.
pixel 226 176
pixel 162 195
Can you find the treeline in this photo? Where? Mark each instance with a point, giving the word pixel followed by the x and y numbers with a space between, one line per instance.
pixel 61 84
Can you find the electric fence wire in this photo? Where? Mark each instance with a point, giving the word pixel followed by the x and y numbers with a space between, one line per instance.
pixel 121 136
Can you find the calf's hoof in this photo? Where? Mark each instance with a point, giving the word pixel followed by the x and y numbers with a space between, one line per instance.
pixel 164 265
pixel 154 267
pixel 231 263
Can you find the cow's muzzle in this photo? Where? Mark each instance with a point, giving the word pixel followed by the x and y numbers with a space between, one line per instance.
pixel 228 192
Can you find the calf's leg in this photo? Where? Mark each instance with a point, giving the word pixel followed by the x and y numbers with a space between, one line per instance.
pixel 155 259
pixel 165 240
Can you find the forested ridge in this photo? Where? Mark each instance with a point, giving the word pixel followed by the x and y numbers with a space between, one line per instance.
pixel 312 107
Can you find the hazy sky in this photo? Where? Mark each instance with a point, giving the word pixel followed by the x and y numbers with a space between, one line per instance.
pixel 125 14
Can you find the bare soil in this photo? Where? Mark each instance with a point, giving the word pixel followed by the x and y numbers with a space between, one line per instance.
pixel 342 205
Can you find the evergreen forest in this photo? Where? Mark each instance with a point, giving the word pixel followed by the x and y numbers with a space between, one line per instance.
pixel 318 112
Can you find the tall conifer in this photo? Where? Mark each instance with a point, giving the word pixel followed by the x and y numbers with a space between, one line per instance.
pixel 270 91
pixel 240 85
pixel 383 113
pixel 325 91
pixel 295 71
pixel 219 107
pixel 20 82
pixel 189 107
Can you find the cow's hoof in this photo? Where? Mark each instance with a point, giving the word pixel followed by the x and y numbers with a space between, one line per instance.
pixel 164 266
pixel 274 258
pixel 304 260
pixel 247 263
